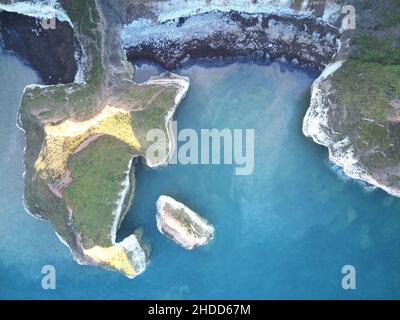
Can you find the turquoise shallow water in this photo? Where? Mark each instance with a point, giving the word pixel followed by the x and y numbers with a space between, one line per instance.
pixel 283 232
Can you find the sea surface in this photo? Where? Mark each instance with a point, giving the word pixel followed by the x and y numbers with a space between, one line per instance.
pixel 285 231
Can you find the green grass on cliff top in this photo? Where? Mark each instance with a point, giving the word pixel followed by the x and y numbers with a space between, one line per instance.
pixel 154 116
pixel 366 86
pixel 63 101
pixel 97 172
pixel 372 50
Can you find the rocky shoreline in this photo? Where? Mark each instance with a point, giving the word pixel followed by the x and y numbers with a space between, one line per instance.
pixel 56 54
pixel 260 37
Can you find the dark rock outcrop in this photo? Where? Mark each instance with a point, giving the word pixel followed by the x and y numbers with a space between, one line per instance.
pixel 216 34
pixel 50 52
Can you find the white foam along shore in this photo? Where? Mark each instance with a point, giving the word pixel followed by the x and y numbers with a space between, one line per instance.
pixel 73 253
pixel 131 243
pixel 41 9
pixel 181 224
pixel 182 83
pixel 144 30
pixel 316 118
pixel 45 9
pixel 125 185
pixel 173 9
pixel 316 126
pixel 135 252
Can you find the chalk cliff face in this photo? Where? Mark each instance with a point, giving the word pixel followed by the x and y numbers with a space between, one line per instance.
pixel 355 107
pixel 181 224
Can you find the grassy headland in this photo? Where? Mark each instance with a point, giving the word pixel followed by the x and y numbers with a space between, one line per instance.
pixel 81 138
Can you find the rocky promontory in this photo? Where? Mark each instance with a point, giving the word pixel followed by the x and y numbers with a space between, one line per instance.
pixel 82 137
pixel 181 224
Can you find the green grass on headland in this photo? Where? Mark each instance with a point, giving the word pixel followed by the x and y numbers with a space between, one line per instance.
pixel 367 89
pixel 97 174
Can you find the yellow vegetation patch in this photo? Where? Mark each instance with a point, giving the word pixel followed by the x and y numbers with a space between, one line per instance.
pixel 62 139
pixel 114 257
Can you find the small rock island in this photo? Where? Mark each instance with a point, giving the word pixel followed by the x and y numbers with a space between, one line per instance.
pixel 181 224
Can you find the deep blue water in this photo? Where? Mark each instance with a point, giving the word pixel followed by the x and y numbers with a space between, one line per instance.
pixel 283 232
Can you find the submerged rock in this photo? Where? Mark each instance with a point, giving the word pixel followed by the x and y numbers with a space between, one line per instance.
pixel 181 224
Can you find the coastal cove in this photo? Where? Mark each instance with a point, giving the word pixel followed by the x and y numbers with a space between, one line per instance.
pixel 283 232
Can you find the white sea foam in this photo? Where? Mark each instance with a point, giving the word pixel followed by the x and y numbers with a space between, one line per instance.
pixel 146 31
pixel 81 62
pixel 120 202
pixel 332 12
pixel 316 119
pixel 38 9
pixel 136 253
pixel 131 244
pixel 173 9
pixel 198 26
pixel 73 253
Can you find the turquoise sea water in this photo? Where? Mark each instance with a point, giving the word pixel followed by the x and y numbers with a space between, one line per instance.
pixel 283 232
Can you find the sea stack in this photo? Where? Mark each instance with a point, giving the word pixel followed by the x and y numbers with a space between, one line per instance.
pixel 181 224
